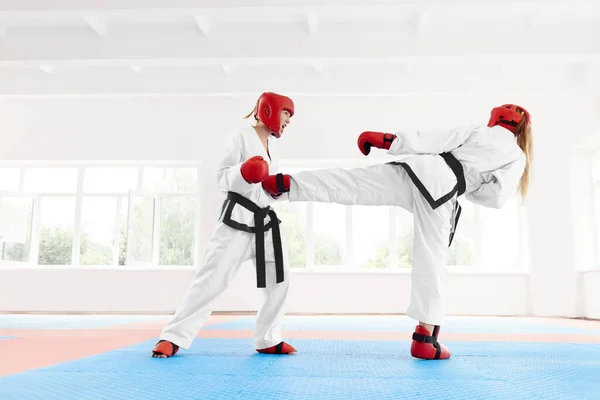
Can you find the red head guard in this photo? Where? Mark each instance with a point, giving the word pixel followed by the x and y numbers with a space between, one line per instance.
pixel 268 109
pixel 508 116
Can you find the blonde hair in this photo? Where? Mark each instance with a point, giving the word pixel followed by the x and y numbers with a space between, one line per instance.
pixel 524 139
pixel 250 113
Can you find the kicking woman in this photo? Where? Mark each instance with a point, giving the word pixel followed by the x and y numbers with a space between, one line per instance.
pixel 485 163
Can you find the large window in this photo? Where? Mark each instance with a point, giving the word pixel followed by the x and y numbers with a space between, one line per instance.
pixel 99 215
pixel 334 235
pixel 140 215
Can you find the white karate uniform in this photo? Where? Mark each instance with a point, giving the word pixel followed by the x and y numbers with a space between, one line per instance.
pixel 229 248
pixel 492 163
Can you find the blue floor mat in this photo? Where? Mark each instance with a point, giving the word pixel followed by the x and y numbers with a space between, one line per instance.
pixel 404 324
pixel 323 369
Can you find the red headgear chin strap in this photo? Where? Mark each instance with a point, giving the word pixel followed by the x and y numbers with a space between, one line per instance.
pixel 508 116
pixel 268 109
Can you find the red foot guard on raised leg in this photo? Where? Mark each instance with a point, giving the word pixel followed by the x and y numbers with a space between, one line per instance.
pixel 426 346
pixel 281 348
pixel 276 185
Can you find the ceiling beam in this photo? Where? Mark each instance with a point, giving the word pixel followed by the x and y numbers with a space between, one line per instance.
pixel 226 68
pixel 312 23
pixel 97 24
pixel 120 5
pixel 388 41
pixel 302 80
pixel 203 24
pixel 49 69
pixel 530 61
pixel 349 11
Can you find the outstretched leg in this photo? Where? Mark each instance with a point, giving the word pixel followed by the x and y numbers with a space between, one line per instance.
pixel 428 276
pixel 267 335
pixel 376 185
pixel 225 253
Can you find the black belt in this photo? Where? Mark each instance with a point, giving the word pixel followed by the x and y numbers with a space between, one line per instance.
pixel 461 186
pixel 258 229
pixel 457 168
pixel 458 189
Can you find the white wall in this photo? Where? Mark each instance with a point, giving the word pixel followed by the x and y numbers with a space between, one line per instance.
pixel 157 291
pixel 591 290
pixel 188 128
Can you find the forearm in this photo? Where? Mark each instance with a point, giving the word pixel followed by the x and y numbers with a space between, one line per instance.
pixel 431 142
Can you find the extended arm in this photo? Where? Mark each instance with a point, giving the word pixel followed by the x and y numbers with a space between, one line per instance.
pixel 414 141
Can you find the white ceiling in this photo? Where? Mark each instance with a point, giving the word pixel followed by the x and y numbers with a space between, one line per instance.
pixel 320 47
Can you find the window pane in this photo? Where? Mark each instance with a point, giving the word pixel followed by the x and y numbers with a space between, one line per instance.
pixel 110 180
pixel 56 231
pixel 9 179
pixel 462 251
pixel 98 230
pixel 170 180
pixel 371 236
pixel 329 233
pixel 293 230
pixel 404 237
pixel 51 180
pixel 141 230
pixel 15 228
pixel 500 236
pixel 177 231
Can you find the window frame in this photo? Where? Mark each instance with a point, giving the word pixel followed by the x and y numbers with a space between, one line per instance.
pixel 158 198
pixel 33 228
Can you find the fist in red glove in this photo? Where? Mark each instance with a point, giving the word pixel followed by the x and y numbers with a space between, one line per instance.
pixel 255 170
pixel 369 139
pixel 276 185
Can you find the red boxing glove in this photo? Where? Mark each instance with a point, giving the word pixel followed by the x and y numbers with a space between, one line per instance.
pixel 276 185
pixel 255 170
pixel 369 139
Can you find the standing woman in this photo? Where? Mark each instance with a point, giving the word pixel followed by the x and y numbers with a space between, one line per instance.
pixel 247 229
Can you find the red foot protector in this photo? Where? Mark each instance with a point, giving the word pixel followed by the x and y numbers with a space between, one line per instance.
pixel 166 348
pixel 281 348
pixel 275 185
pixel 426 346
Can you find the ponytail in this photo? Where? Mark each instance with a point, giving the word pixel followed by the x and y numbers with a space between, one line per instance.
pixel 523 134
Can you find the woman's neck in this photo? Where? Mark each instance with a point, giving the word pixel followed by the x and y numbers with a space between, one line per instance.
pixel 262 132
